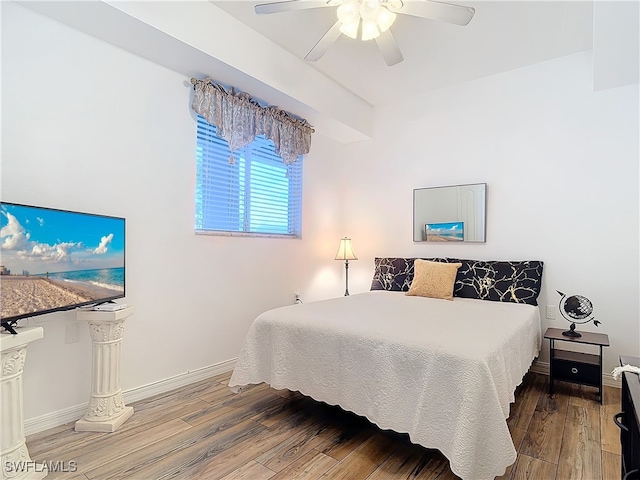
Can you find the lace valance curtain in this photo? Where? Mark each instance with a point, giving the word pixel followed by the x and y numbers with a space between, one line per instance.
pixel 239 119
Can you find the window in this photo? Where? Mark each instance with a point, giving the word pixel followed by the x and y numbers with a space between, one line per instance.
pixel 255 194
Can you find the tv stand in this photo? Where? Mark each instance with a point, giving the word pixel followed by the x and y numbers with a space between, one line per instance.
pixel 102 303
pixel 8 326
pixel 106 410
pixel 15 462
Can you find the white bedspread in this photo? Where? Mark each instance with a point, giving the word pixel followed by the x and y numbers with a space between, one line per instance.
pixel 442 371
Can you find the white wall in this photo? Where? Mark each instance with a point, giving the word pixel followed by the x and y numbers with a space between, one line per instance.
pixel 87 126
pixel 561 167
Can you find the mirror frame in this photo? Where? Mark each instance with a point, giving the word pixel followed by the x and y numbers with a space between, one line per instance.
pixel 448 227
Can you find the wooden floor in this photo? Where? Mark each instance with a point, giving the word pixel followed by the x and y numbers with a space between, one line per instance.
pixel 204 431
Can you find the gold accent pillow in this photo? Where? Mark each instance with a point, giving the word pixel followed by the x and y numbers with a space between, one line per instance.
pixel 433 279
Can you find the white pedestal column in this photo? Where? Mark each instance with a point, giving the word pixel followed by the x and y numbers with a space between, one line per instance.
pixel 14 456
pixel 106 410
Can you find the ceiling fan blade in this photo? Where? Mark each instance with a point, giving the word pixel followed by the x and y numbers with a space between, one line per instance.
pixel 289 6
pixel 447 12
pixel 324 43
pixel 389 48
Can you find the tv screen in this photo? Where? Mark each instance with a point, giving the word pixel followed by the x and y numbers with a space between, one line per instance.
pixel 54 260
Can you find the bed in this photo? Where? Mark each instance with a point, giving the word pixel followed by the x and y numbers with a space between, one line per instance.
pixel 443 371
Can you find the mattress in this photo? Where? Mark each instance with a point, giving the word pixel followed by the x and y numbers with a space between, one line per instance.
pixel 444 372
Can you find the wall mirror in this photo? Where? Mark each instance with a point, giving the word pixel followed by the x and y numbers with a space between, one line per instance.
pixel 450 214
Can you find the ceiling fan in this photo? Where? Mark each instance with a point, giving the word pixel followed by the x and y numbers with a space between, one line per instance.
pixel 373 17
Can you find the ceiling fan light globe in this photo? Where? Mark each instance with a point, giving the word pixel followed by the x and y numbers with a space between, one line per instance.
pixel 350 29
pixel 385 19
pixel 369 30
pixel 371 4
pixel 349 12
pixel 369 9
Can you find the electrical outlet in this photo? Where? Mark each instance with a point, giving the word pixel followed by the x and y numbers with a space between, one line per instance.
pixel 551 312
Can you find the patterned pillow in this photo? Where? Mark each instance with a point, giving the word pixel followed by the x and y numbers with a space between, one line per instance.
pixel 499 281
pixel 394 273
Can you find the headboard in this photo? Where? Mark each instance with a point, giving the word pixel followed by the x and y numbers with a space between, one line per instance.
pixel 493 280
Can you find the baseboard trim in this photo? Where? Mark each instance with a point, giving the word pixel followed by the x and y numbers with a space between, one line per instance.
pixel 543 368
pixel 72 414
pixel 171 383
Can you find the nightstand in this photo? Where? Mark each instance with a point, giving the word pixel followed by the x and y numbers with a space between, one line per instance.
pixel 576 367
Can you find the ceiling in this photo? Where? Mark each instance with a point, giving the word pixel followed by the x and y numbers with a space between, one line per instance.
pixel 340 93
pixel 503 35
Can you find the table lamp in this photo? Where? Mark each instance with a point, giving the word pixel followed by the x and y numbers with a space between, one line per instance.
pixel 345 252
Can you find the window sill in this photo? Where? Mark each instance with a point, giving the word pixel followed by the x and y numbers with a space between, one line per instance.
pixel 221 233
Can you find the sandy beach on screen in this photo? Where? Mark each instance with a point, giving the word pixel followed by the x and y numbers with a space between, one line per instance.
pixel 21 294
pixel 442 238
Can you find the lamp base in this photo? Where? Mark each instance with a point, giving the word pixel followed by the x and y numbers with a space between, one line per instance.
pixel 346 278
pixel 572 332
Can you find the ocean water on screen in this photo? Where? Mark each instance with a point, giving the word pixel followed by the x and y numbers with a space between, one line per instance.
pixel 112 278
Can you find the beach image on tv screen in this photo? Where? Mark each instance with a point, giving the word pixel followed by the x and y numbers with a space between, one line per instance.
pixel 55 259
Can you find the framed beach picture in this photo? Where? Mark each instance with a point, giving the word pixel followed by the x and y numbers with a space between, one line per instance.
pixel 444 232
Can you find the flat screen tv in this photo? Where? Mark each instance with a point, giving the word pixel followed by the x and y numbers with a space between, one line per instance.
pixel 53 260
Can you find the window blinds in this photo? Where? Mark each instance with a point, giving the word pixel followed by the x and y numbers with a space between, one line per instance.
pixel 250 192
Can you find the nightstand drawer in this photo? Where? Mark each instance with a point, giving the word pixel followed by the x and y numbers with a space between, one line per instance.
pixel 583 373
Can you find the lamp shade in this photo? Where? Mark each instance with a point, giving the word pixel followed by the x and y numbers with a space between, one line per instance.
pixel 345 252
